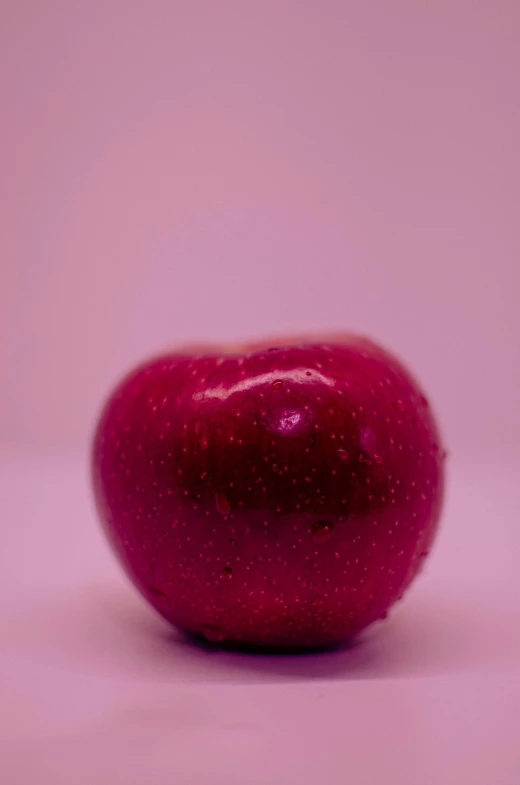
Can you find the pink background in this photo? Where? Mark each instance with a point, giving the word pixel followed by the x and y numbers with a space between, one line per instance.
pixel 174 171
pixel 177 170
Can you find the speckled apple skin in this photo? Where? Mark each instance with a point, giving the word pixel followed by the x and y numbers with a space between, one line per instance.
pixel 281 496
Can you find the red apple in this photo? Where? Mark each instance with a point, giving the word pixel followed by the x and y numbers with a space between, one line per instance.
pixel 279 495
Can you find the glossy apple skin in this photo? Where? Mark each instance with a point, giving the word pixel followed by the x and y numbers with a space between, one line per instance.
pixel 283 496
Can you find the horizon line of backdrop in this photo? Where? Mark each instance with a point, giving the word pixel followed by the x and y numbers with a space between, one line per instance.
pixel 194 171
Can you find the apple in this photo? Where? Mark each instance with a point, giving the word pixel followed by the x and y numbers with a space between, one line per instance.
pixel 279 495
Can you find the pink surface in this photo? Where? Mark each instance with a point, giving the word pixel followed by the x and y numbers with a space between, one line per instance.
pixel 95 688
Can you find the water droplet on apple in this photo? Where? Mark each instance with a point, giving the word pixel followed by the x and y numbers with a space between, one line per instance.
pixel 321 531
pixel 226 574
pixel 277 385
pixel 222 503
pixel 212 633
pixel 343 454
pixel 233 542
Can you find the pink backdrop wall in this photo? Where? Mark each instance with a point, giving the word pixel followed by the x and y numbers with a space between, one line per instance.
pixel 185 170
